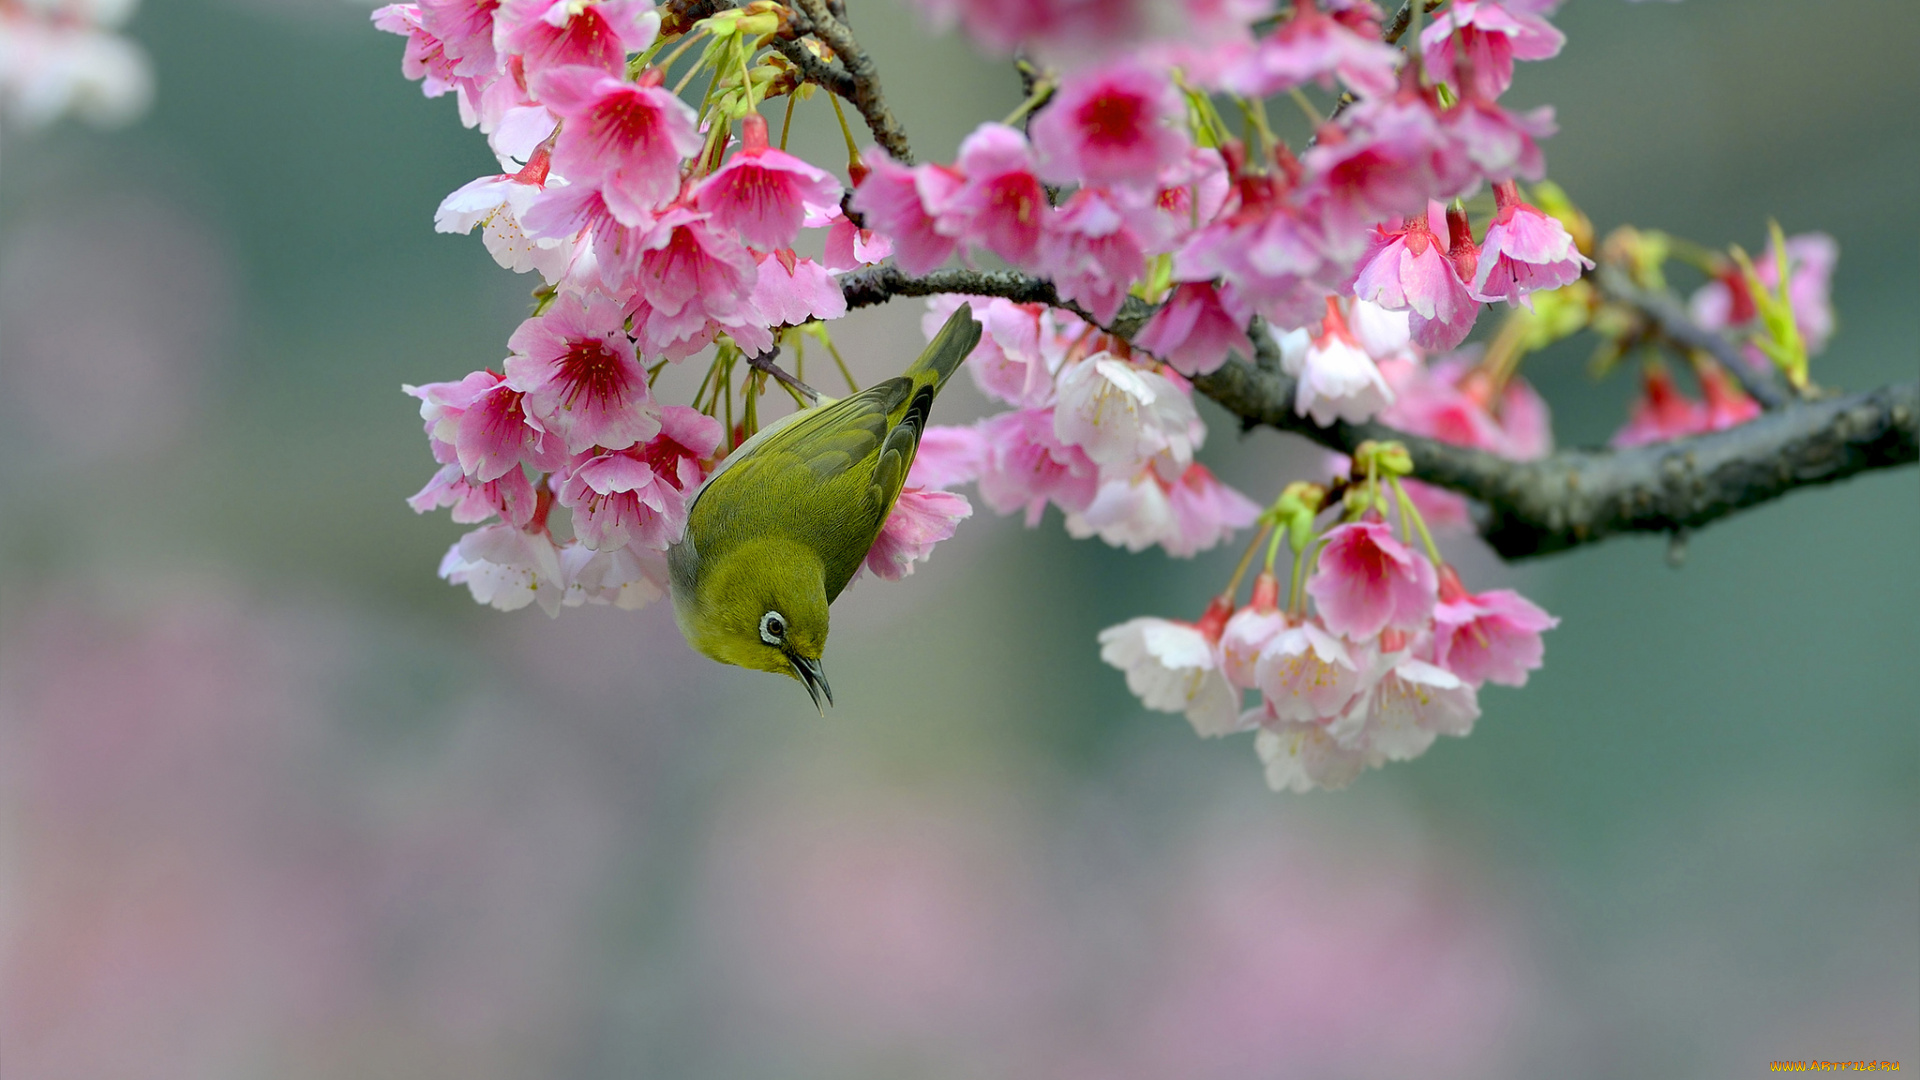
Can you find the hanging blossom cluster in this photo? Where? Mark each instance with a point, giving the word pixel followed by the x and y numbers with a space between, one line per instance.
pixel 1142 179
pixel 62 58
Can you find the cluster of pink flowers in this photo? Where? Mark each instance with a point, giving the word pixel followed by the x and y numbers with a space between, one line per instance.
pixel 660 234
pixel 1096 428
pixel 61 58
pixel 1390 655
pixel 654 243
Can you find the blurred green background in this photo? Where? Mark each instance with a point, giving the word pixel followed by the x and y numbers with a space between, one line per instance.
pixel 278 802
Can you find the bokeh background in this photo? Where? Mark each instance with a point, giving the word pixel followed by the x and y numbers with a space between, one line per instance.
pixel 275 801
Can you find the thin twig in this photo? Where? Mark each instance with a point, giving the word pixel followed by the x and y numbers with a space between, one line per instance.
pixel 764 362
pixel 1669 316
pixel 865 94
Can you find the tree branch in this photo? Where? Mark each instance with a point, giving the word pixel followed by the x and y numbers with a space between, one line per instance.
pixel 862 83
pixel 1667 314
pixel 1561 501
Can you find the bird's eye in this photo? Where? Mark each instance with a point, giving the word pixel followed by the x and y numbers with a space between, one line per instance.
pixel 773 628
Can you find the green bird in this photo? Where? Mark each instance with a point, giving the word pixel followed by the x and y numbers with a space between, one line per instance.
pixel 782 525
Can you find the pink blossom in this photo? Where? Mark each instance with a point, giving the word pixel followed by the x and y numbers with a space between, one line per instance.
pixel 849 247
pixel 1473 44
pixel 495 203
pixel 1175 667
pixel 1205 512
pixel 1407 703
pixel 1494 143
pixel 789 291
pixel 628 578
pixel 510 496
pixel 1002 26
pixel 1091 253
pixel 1191 191
pixel 1452 401
pixel 1249 631
pixel 1195 329
pixel 919 520
pixel 1524 251
pixel 1014 361
pixel 425 57
pixel 580 376
pixel 1122 415
pixel 626 139
pixel 599 34
pixel 1300 756
pixel 1367 581
pixel 494 437
pixel 1266 249
pixel 947 456
pixel 1663 411
pixel 1726 302
pixel 1390 159
pixel 999 204
pixel 465 30
pixel 1026 466
pixel 693 271
pixel 605 251
pixel 1490 636
pixel 1311 46
pixel 1118 123
pixel 508 568
pixel 1408 268
pixel 639 495
pixel 1306 674
pixel 1130 509
pixel 763 194
pixel 903 204
pixel 1334 377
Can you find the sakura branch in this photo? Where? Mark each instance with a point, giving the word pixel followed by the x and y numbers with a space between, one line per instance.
pixel 1160 241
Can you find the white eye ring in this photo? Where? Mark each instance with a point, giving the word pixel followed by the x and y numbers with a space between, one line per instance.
pixel 773 628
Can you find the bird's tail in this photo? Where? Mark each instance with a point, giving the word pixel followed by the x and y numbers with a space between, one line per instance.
pixel 950 346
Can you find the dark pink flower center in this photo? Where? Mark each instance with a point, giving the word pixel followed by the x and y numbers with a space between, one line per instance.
pixel 591 372
pixel 626 120
pixel 1112 119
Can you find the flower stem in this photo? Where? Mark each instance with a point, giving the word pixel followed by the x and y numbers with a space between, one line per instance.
pixel 1246 560
pixel 1408 513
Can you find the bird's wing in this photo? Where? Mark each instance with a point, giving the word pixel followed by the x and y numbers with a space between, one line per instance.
pixel 826 441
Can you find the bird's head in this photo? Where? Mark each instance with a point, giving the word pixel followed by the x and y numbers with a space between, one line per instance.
pixel 764 607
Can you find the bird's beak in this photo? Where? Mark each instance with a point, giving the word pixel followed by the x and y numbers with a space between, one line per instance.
pixel 810 673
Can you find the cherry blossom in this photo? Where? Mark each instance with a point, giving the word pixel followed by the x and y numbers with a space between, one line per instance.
pixel 1091 253
pixel 1335 379
pixel 903 204
pixel 1493 636
pixel 1016 358
pixel 999 204
pixel 582 381
pixel 1120 414
pixel 1174 667
pixel 919 520
pixel 1408 268
pixel 638 495
pixel 1306 673
pixel 1473 44
pixel 1407 703
pixel 1301 756
pixel 507 567
pixel 1195 330
pixel 1725 302
pixel 625 139
pixel 1311 46
pixel 599 34
pixel 764 194
pixel 495 204
pixel 1524 251
pixel 1368 581
pixel 1026 465
pixel 1112 124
